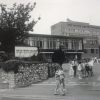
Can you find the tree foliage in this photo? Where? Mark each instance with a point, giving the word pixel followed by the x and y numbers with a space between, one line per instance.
pixel 15 24
pixel 58 56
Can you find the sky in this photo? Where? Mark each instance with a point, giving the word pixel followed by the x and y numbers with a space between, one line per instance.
pixel 54 11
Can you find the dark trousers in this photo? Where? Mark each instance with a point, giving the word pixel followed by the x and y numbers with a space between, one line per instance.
pixel 75 69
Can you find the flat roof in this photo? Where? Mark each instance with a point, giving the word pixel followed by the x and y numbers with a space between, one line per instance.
pixel 54 36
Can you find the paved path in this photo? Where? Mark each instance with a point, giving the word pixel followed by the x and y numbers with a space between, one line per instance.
pixel 85 89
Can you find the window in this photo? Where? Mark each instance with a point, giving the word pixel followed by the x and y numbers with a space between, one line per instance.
pixel 54 44
pixel 80 45
pixel 33 43
pixel 40 44
pixel 85 51
pixel 96 51
pixel 92 50
pixel 66 45
pixel 69 45
pixel 73 30
pixel 51 44
pixel 73 44
pixel 47 44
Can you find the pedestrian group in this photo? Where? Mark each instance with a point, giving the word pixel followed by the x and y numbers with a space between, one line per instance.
pixel 81 69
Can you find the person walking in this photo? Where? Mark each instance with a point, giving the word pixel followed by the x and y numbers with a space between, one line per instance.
pixel 91 63
pixel 79 68
pixel 71 71
pixel 83 69
pixel 75 67
pixel 60 82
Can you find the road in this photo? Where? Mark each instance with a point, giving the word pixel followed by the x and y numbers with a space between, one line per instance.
pixel 85 89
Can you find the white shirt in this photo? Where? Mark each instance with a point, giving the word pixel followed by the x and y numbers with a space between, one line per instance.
pixel 91 63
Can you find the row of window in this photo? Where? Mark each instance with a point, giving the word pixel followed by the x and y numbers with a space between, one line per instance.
pixel 53 44
pixel 81 31
pixel 84 26
pixel 80 26
pixel 93 51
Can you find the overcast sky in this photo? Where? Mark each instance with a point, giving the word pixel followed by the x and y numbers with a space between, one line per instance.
pixel 54 11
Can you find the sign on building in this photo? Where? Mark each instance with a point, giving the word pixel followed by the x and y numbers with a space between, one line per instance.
pixel 23 52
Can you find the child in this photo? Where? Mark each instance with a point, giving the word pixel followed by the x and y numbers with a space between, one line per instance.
pixel 60 82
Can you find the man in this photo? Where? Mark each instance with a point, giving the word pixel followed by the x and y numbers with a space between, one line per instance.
pixel 91 63
pixel 75 64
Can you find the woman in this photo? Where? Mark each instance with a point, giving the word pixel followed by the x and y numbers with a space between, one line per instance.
pixel 71 71
pixel 60 82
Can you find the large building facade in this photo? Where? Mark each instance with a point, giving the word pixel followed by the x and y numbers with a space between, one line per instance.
pixel 91 47
pixel 89 33
pixel 47 44
pixel 71 28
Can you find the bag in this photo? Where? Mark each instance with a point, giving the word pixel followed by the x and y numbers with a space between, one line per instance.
pixel 61 77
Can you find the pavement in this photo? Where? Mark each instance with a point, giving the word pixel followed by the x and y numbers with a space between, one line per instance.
pixel 85 89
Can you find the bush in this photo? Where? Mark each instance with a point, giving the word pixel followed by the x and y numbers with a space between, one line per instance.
pixel 12 65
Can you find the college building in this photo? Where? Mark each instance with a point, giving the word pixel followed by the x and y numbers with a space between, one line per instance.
pixel 89 33
pixel 47 44
pixel 77 39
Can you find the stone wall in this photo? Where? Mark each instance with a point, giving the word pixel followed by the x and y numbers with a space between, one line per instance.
pixel 29 74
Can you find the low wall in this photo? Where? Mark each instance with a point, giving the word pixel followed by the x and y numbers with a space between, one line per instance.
pixel 29 74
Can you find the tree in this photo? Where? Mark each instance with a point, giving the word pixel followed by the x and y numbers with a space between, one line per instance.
pixel 15 24
pixel 58 56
